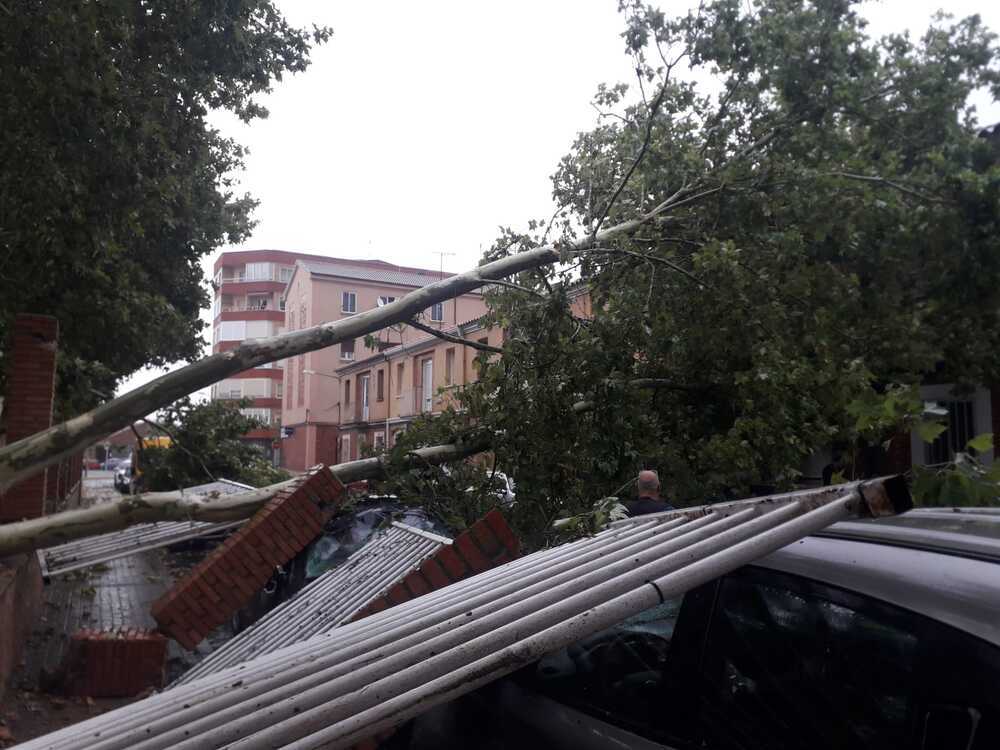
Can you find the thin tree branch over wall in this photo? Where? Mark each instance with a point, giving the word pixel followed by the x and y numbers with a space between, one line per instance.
pixel 454 339
pixel 59 528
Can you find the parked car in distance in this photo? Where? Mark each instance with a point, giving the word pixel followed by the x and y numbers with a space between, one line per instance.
pixel 870 634
pixel 123 477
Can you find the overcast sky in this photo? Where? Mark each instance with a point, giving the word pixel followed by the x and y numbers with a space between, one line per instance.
pixel 422 126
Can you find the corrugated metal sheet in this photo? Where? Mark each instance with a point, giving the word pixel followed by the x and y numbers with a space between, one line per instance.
pixel 335 689
pixel 84 553
pixel 332 599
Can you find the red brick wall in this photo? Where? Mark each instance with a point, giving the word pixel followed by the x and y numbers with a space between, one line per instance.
pixel 30 389
pixel 234 572
pixel 487 543
pixel 20 600
pixel 114 664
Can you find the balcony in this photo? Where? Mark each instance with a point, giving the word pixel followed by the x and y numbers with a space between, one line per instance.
pixel 241 277
pixel 241 305
pixel 411 402
pixel 240 285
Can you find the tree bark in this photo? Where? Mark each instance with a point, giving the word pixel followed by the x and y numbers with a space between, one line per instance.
pixel 58 528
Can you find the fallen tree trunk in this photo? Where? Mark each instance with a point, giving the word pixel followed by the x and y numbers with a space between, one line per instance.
pixel 48 531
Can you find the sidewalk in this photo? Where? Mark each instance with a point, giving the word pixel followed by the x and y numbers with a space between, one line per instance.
pixel 112 595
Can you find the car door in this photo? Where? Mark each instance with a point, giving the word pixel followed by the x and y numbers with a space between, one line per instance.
pixel 794 664
pixel 759 660
pixel 611 689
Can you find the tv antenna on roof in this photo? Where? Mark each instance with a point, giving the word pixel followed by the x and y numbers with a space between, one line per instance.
pixel 441 255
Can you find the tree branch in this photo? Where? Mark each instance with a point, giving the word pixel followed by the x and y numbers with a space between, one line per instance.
pixel 889 183
pixel 58 528
pixel 652 258
pixel 644 384
pixel 179 444
pixel 635 163
pixel 518 287
pixel 454 339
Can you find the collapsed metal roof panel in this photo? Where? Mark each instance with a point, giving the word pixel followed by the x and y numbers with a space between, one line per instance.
pixel 335 689
pixel 94 550
pixel 331 600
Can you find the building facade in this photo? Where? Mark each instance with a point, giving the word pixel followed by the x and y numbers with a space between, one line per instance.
pixel 249 303
pixel 382 393
pixel 324 410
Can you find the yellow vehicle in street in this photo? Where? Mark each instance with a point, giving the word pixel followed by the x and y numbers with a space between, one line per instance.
pixel 128 477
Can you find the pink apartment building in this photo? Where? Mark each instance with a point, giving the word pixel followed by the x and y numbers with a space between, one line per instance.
pixel 383 392
pixel 249 303
pixel 336 398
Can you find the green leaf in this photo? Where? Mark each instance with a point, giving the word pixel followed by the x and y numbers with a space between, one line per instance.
pixel 929 431
pixel 981 443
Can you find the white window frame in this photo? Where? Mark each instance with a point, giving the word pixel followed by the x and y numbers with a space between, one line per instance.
pixel 345 447
pixel 258 272
pixel 981 415
pixel 262 414
pixel 437 307
pixel 228 330
pixel 261 329
pixel 365 386
pixel 385 299
pixel 285 274
pixel 427 385
pixel 349 302
pixel 347 356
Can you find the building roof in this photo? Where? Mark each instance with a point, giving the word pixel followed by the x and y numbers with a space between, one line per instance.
pixel 382 273
pixel 291 256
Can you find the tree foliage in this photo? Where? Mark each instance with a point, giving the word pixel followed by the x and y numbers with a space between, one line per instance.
pixel 831 241
pixel 206 445
pixel 113 185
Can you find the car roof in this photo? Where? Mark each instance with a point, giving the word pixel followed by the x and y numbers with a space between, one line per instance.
pixel 941 563
pixel 967 532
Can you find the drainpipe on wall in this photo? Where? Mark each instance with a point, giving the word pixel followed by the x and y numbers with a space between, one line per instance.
pixel 385 395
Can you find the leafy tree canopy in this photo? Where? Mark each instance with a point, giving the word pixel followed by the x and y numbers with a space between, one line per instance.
pixel 205 445
pixel 831 240
pixel 113 186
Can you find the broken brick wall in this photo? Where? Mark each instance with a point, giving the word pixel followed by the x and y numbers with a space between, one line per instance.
pixel 232 574
pixel 28 405
pixel 27 410
pixel 487 543
pixel 114 663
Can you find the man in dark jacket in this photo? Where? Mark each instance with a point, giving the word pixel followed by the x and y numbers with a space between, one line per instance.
pixel 649 496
